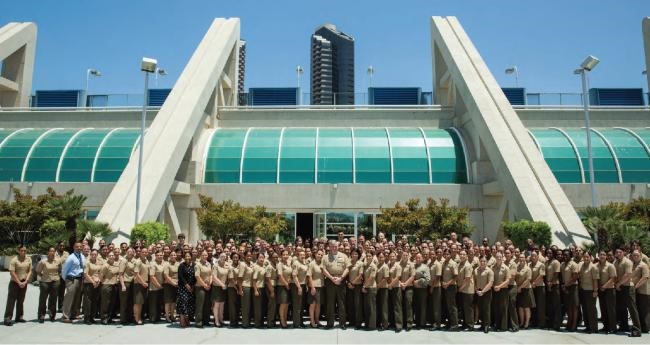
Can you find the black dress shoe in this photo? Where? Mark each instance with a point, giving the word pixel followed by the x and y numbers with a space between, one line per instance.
pixel 343 327
pixel 328 327
pixel 8 323
pixel 486 330
pixel 454 329
pixel 20 321
pixel 635 334
pixel 41 320
pixel 198 325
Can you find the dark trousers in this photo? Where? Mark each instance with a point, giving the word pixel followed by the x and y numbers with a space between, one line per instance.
pixel 468 310
pixel 200 296
pixel 354 305
pixel 15 298
pixel 246 300
pixel 395 301
pixel 91 301
pixel 382 307
pixel 126 303
pixel 271 307
pixel 370 308
pixel 420 306
pixel 484 309
pixel 108 293
pixel 233 306
pixel 60 293
pixel 407 306
pixel 626 302
pixel 436 305
pixel 450 302
pixel 513 319
pixel 588 302
pixel 554 306
pixel 155 300
pixel 500 309
pixel 335 295
pixel 607 300
pixel 258 316
pixel 48 292
pixel 540 306
pixel 298 303
pixel 643 307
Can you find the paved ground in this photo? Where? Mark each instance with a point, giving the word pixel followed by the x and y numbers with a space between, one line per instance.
pixel 57 332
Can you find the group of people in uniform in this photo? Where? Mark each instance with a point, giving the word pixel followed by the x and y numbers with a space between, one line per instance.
pixel 375 284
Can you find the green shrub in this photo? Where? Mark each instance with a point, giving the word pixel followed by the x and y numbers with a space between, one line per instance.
pixel 150 232
pixel 520 231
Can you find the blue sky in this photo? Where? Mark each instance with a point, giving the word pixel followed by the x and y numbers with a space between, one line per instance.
pixel 545 39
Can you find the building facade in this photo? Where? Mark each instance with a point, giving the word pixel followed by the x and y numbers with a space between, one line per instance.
pixel 332 66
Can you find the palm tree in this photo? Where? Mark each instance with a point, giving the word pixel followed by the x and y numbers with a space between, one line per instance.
pixel 69 208
pixel 603 220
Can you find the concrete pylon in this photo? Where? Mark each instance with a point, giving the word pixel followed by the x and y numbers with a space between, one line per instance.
pixel 208 80
pixel 17 49
pixel 462 80
pixel 645 29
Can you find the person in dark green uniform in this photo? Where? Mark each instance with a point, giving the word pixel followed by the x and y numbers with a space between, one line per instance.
pixel 109 274
pixel 382 278
pixel 245 287
pixel 588 282
pixel 394 290
pixel 449 288
pixel 335 269
pixel 370 293
pixel 259 277
pixel 500 296
pixel 203 275
pixel 421 283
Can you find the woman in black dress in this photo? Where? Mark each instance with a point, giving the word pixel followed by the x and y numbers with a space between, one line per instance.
pixel 186 282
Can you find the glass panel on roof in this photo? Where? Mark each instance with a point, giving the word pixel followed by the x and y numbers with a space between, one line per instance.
pixel 409 156
pixel 334 155
pixel 261 156
pixel 45 157
pixel 372 156
pixel 223 159
pixel 14 151
pixel 78 160
pixel 114 154
pixel 297 156
pixel 632 156
pixel 558 154
pixel 447 156
pixel 604 165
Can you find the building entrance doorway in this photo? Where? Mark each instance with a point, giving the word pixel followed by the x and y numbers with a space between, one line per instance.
pixel 305 225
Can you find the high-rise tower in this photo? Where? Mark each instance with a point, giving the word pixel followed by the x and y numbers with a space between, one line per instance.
pixel 332 66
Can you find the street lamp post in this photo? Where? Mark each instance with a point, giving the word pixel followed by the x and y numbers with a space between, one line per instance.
pixel 161 72
pixel 147 66
pixel 299 72
pixel 586 66
pixel 89 72
pixel 514 70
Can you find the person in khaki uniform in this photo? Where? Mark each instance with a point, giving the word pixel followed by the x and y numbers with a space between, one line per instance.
pixel 607 292
pixel 203 274
pixel 127 274
pixel 219 290
pixel 640 276
pixel 20 270
pixel 569 275
pixel 156 279
pixel 170 287
pixel 233 290
pixel 298 288
pixel 315 283
pixel 259 276
pixel 553 299
pixel 109 273
pixel 538 273
pixel 588 281
pixel 394 290
pixel 285 270
pixel 421 282
pixel 435 267
pixel 141 284
pixel 524 293
pixel 245 282
pixel 370 293
pixel 92 283
pixel 465 283
pixel 513 319
pixel 500 297
pixel 450 288
pixel 484 279
pixel 354 298
pixel 406 285
pixel 335 269
pixel 625 295
pixel 61 255
pixel 382 277
pixel 272 286
pixel 48 272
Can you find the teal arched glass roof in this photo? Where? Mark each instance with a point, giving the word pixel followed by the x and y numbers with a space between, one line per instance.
pixel 65 155
pixel 620 155
pixel 335 155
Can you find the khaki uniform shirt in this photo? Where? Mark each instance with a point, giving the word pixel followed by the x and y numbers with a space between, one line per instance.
pixel 221 273
pixel 127 270
pixel 449 271
pixel 156 270
pixel 335 264
pixel 272 274
pixel 259 272
pixel 568 269
pixel 356 271
pixel 605 272
pixel 395 271
pixel 299 270
pixel 474 261
pixel 408 270
pixel 370 275
pixel 142 268
pixel 553 272
pixel 246 274
pixel 501 273
pixel 639 271
pixel 315 273
pixel 466 271
pixel 50 271
pixel 483 277
pixel 623 266
pixel 436 272
pixel 110 273
pixel 21 268
pixel 204 271
pixel 491 261
pixel 285 270
pixel 512 266
pixel 587 274
pixel 92 269
pixel 537 270
pixel 171 270
pixel 383 272
pixel 523 275
pixel 233 273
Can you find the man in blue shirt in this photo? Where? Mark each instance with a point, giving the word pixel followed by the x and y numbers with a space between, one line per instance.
pixel 72 271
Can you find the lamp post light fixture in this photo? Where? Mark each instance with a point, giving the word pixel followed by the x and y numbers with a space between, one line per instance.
pixel 89 72
pixel 371 73
pixel 161 72
pixel 299 72
pixel 147 66
pixel 514 70
pixel 586 66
